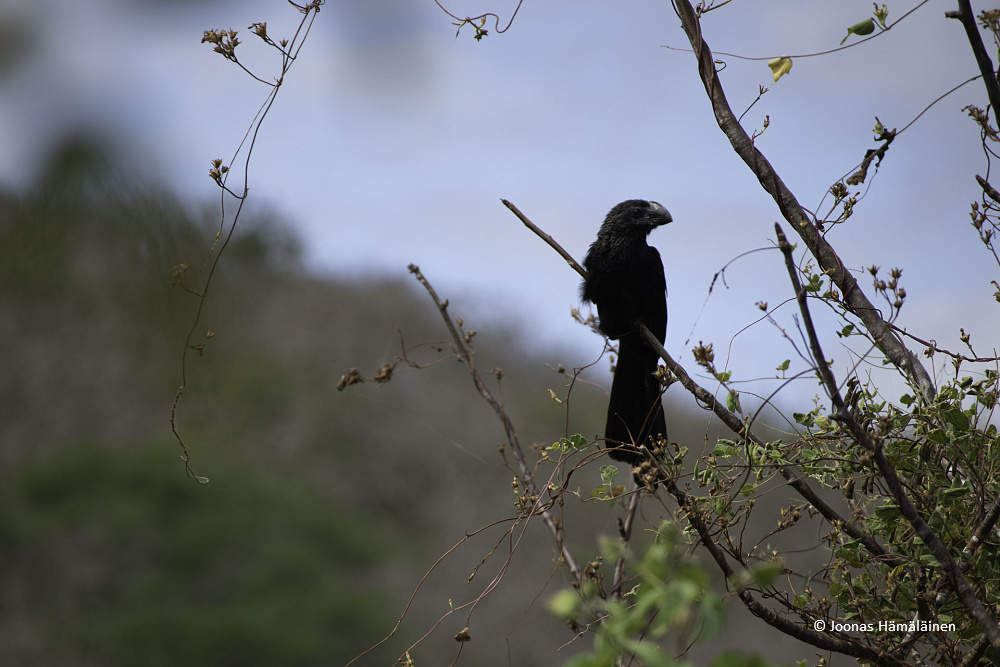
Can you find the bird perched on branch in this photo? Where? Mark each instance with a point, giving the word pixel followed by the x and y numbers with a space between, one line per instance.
pixel 625 281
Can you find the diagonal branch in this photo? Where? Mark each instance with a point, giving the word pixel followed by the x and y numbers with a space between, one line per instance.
pixel 854 298
pixel 545 237
pixel 774 619
pixel 466 355
pixel 736 425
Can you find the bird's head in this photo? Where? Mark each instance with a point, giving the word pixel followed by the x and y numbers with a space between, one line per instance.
pixel 636 216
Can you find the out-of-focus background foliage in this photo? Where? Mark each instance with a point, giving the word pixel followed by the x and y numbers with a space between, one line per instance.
pixel 324 508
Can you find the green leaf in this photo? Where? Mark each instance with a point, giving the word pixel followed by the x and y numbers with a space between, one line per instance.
pixel 929 559
pixel 783 366
pixel 886 511
pixel 955 492
pixel 723 449
pixel 865 27
pixel 957 419
pixel 650 654
pixel 608 473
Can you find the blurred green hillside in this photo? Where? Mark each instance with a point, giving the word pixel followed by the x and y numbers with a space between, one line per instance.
pixel 324 508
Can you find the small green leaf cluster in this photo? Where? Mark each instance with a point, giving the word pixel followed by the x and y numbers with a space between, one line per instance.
pixel 608 490
pixel 724 474
pixel 670 598
pixel 565 446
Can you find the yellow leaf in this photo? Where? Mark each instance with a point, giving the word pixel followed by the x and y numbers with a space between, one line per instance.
pixel 780 67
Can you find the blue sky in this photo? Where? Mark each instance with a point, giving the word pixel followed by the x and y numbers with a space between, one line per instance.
pixel 393 142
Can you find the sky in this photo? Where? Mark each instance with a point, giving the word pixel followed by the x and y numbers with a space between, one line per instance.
pixel 392 141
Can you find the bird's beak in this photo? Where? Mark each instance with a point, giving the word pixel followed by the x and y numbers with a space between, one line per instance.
pixel 659 211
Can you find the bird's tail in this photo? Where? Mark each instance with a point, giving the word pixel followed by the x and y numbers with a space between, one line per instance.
pixel 635 411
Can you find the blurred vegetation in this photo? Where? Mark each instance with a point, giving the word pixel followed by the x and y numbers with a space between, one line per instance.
pixel 324 509
pixel 113 558
pixel 111 555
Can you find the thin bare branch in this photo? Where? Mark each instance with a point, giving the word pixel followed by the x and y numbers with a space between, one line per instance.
pixel 466 355
pixel 624 536
pixel 796 56
pixel 416 590
pixel 548 239
pixel 221 176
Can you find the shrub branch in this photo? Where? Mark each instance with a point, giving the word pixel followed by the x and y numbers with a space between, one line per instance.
pixel 841 413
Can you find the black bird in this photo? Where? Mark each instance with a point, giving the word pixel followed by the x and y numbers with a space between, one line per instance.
pixel 625 281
